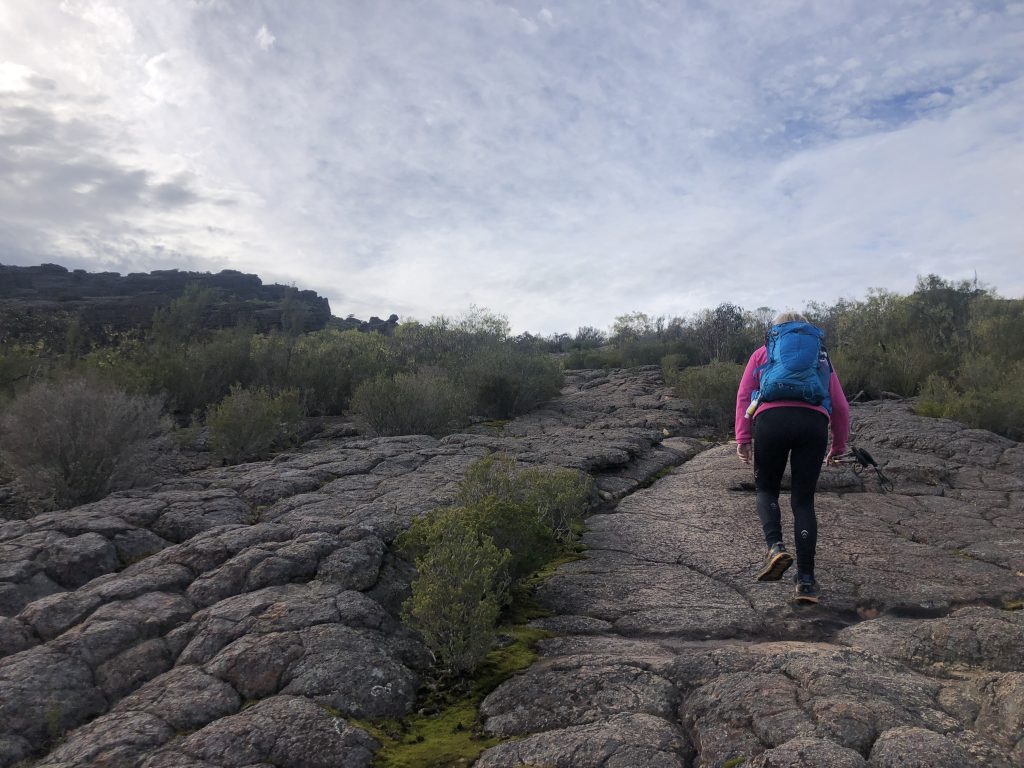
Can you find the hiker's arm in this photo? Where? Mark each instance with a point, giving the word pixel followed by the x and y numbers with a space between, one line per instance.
pixel 748 383
pixel 840 417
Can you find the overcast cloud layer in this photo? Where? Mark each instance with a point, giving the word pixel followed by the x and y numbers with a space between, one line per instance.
pixel 557 162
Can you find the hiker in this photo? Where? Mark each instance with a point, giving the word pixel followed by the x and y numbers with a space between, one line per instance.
pixel 787 398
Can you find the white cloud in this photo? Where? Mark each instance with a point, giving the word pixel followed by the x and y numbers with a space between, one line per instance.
pixel 14 77
pixel 264 39
pixel 554 163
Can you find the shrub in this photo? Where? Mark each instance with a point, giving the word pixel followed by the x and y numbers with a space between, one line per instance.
pixel 516 530
pixel 421 403
pixel 987 398
pixel 503 507
pixel 505 383
pixel 459 592
pixel 711 390
pixel 249 423
pixel 327 366
pixel 605 357
pixel 557 497
pixel 937 396
pixel 195 375
pixel 76 440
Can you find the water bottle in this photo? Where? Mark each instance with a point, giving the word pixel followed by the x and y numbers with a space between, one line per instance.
pixel 755 399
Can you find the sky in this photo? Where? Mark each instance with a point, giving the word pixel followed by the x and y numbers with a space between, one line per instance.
pixel 558 163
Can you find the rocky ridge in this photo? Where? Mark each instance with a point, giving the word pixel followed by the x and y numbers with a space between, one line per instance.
pixel 239 616
pixel 43 302
pixel 242 616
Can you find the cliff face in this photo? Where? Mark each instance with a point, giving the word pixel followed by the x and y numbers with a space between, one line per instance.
pixel 142 624
pixel 41 302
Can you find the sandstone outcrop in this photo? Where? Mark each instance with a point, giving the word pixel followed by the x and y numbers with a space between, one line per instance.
pixel 41 302
pixel 142 625
pixel 911 659
pixel 245 616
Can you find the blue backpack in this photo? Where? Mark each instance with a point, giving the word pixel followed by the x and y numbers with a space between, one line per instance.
pixel 798 367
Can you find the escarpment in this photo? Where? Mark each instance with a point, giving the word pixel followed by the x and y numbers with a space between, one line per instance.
pixel 244 616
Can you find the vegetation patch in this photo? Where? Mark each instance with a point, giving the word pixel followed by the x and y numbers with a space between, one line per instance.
pixel 711 390
pixel 476 562
pixel 75 440
pixel 447 730
pixel 474 558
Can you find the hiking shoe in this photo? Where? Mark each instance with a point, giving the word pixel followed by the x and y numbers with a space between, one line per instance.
pixel 806 589
pixel 775 564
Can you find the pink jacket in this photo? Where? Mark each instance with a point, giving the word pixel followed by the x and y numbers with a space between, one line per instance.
pixel 840 418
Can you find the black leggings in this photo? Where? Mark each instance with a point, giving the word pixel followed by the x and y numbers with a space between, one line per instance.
pixel 801 435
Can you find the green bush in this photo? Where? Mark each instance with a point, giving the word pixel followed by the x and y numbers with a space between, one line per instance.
pixel 421 403
pixel 249 423
pixel 74 441
pixel 505 383
pixel 937 396
pixel 637 352
pixel 985 396
pixel 200 373
pixel 327 366
pixel 556 497
pixel 675 362
pixel 459 591
pixel 605 357
pixel 501 506
pixel 19 367
pixel 711 390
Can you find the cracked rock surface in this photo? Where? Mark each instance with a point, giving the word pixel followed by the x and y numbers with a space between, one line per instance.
pixel 242 616
pixel 246 616
pixel 665 642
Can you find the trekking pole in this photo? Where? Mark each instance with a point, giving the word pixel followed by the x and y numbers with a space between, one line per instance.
pixel 862 460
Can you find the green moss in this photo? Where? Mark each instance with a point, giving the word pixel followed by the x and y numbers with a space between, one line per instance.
pixel 448 733
pixel 428 741
pixel 734 763
pixel 1013 605
pixel 524 607
pixel 503 663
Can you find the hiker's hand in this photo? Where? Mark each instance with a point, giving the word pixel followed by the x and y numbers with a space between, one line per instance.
pixel 743 450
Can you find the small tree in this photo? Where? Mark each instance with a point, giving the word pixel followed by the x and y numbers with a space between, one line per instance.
pixel 76 440
pixel 458 593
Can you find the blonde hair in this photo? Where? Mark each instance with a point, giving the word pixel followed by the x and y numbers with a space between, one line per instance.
pixel 789 317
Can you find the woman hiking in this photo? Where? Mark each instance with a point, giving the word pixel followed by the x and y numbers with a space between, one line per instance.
pixel 788 397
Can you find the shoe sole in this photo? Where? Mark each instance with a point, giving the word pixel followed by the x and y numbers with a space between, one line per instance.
pixel 807 599
pixel 776 567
